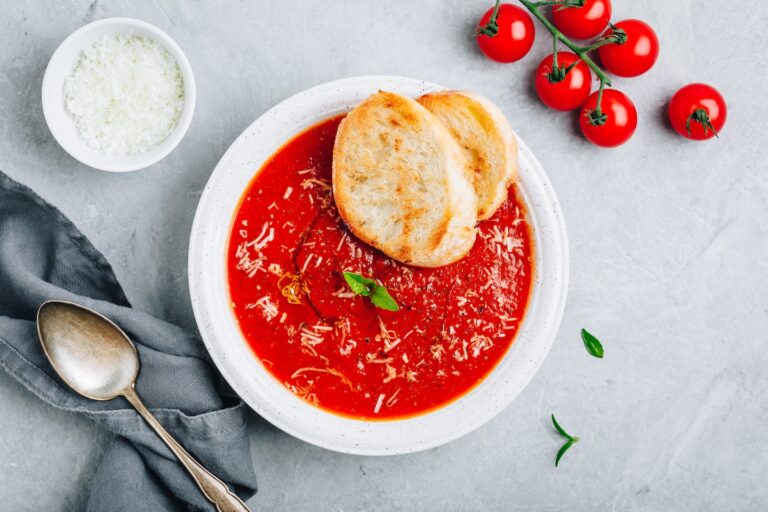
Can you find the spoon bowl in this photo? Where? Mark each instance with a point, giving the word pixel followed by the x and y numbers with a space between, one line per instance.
pixel 89 352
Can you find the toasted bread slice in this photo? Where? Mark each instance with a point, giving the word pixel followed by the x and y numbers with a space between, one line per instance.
pixel 484 134
pixel 401 183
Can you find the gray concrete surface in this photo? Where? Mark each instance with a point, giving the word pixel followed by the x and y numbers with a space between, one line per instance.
pixel 668 242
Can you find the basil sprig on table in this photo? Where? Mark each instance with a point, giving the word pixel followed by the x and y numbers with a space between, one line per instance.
pixel 366 287
pixel 595 348
pixel 592 344
pixel 571 440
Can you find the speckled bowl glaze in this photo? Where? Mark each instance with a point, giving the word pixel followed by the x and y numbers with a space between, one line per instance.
pixel 267 396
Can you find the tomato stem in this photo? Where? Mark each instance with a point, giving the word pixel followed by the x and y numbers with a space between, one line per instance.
pixel 491 28
pixel 561 3
pixel 582 52
pixel 618 36
pixel 554 54
pixel 701 116
pixel 597 117
pixel 558 73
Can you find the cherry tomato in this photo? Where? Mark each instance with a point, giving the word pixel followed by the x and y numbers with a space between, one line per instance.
pixel 617 125
pixel 583 22
pixel 505 33
pixel 563 90
pixel 636 55
pixel 698 111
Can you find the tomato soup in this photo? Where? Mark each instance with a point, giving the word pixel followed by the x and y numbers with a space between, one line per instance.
pixel 286 254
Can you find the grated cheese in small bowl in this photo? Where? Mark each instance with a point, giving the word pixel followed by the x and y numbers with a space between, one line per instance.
pixel 125 94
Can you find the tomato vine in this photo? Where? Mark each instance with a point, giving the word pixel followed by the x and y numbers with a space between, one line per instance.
pixel 596 117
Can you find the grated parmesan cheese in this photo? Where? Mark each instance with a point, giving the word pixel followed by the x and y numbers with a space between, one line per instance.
pixel 125 94
pixel 380 401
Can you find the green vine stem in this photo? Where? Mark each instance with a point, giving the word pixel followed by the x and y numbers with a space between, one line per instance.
pixel 555 66
pixel 618 36
pixel 561 3
pixel 491 28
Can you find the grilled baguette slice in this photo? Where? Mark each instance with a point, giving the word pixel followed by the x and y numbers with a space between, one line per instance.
pixel 401 183
pixel 484 134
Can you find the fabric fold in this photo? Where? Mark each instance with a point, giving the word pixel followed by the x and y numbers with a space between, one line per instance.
pixel 43 256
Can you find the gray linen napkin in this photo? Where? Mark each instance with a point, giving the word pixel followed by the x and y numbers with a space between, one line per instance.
pixel 43 256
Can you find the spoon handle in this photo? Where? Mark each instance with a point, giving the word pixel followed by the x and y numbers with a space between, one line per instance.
pixel 214 489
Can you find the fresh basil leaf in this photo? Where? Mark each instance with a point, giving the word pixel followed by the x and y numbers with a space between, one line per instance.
pixel 571 440
pixel 366 287
pixel 592 344
pixel 382 299
pixel 359 284
pixel 560 429
pixel 562 451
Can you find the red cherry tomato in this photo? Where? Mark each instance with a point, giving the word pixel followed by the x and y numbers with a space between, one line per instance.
pixel 560 90
pixel 617 125
pixel 507 36
pixel 583 22
pixel 636 55
pixel 698 111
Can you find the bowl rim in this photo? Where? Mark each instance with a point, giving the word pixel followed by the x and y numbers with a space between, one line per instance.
pixel 257 387
pixel 91 158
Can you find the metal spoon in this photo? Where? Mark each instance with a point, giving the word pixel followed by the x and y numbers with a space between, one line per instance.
pixel 96 359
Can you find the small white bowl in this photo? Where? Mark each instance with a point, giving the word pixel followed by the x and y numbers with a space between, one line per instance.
pixel 62 125
pixel 270 398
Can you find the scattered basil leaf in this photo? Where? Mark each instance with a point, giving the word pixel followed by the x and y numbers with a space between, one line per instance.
pixel 559 428
pixel 592 344
pixel 562 451
pixel 571 440
pixel 366 287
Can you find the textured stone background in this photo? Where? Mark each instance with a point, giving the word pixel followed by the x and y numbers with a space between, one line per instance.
pixel 668 244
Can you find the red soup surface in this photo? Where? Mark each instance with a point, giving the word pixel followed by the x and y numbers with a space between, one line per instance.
pixel 286 254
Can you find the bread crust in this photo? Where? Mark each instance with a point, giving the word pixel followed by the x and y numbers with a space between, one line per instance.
pixel 400 182
pixel 489 144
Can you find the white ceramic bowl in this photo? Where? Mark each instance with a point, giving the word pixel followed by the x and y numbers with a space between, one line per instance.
pixel 267 396
pixel 60 122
